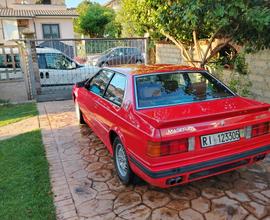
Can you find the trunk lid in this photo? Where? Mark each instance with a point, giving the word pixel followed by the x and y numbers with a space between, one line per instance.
pixel 185 117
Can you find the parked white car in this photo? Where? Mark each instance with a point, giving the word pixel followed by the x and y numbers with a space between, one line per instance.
pixel 55 68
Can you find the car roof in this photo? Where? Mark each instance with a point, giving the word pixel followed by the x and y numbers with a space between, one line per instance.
pixel 150 69
pixel 39 50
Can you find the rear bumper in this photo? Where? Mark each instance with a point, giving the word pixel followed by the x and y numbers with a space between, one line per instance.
pixel 199 170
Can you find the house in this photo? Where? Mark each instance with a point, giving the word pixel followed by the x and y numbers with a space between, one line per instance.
pixel 46 18
pixel 113 4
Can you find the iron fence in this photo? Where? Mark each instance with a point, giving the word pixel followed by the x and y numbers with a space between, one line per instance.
pixel 63 62
pixel 10 66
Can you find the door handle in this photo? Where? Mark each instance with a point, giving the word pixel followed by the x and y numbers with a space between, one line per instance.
pixel 47 75
pixel 41 75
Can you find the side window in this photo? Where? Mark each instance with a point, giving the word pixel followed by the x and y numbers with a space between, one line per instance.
pixel 58 61
pixel 41 61
pixel 116 89
pixel 99 83
pixel 118 52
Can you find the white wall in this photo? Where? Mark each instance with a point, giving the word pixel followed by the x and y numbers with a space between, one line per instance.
pixel 65 25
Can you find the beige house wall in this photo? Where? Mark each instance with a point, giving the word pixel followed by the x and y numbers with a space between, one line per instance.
pixel 258 67
pixel 65 25
pixel 17 3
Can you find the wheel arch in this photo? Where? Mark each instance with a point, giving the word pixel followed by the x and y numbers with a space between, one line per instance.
pixel 113 133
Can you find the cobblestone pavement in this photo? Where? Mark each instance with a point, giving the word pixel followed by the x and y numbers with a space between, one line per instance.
pixel 86 187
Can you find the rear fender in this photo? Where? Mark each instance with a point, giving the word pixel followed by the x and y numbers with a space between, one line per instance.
pixel 120 135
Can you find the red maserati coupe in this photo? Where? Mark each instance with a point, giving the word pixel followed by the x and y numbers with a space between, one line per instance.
pixel 172 124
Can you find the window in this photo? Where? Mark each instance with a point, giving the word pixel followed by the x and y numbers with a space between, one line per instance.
pixel 43 2
pixel 118 52
pixel 51 31
pixel 100 81
pixel 11 31
pixel 6 61
pixel 116 89
pixel 177 88
pixel 55 61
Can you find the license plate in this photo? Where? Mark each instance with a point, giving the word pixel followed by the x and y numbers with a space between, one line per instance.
pixel 220 138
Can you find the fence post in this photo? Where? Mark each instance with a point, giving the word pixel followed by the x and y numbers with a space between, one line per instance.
pixel 33 68
pixel 147 51
pixel 24 67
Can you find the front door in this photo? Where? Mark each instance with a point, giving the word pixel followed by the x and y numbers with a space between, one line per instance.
pixel 56 69
pixel 97 87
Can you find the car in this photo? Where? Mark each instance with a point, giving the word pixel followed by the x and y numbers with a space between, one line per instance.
pixel 55 68
pixel 118 56
pixel 171 124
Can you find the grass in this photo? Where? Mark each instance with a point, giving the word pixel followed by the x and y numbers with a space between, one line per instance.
pixel 25 191
pixel 13 113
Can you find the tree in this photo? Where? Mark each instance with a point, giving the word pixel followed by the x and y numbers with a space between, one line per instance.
pixel 95 20
pixel 186 22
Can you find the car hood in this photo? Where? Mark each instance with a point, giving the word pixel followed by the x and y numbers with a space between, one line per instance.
pixel 201 111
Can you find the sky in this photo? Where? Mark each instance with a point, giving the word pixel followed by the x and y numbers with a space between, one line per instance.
pixel 74 3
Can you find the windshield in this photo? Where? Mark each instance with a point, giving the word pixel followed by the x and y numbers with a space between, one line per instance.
pixel 177 88
pixel 106 51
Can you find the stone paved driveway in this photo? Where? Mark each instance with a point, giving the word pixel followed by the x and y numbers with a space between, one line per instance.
pixel 86 187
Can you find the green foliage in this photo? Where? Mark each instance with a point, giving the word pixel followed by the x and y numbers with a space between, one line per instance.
pixel 240 64
pixel 243 22
pixel 13 113
pixel 239 84
pixel 96 21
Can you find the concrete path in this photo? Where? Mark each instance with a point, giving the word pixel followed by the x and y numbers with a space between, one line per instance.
pixel 18 128
pixel 86 187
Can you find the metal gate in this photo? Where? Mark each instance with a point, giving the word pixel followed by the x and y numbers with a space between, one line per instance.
pixel 59 63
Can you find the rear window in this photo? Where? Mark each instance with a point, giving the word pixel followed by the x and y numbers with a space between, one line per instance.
pixel 177 88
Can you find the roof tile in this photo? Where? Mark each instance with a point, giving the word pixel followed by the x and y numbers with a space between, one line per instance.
pixel 8 12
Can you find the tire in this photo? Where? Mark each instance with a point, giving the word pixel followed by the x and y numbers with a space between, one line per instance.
pixel 121 164
pixel 139 62
pixel 79 114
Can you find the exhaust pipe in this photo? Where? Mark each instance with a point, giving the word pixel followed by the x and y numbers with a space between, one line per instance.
pixel 259 157
pixel 173 181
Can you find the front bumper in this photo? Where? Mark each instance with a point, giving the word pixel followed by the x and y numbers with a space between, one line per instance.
pixel 198 170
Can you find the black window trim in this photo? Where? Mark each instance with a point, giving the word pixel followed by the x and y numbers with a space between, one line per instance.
pixel 90 80
pixel 180 71
pixel 108 87
pixel 103 95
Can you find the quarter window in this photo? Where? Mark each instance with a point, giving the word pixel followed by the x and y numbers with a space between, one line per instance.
pixel 116 89
pixel 99 83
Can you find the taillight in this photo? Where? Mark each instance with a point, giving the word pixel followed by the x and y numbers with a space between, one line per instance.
pixel 173 147
pixel 257 130
pixel 157 149
pixel 260 129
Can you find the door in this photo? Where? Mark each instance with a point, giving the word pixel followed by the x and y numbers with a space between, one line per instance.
pixel 109 111
pixel 97 87
pixel 56 69
pixel 117 57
